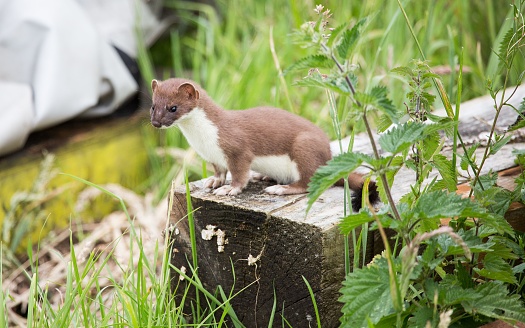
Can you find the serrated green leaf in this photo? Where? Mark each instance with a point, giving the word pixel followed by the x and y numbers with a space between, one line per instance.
pixel 384 104
pixel 337 168
pixel 500 142
pixel 429 258
pixel 403 71
pixel 429 74
pixel 495 302
pixel 520 268
pixel 337 84
pixel 457 295
pixel 505 52
pixel 491 220
pixel 501 248
pixel 447 172
pixel 366 295
pixel 423 317
pixel 335 33
pixel 366 99
pixel 488 180
pixel 515 250
pixel 384 123
pixel 440 204
pixel 395 165
pixel 494 267
pixel 520 120
pixel 464 277
pixel 469 157
pixel 390 172
pixel 427 98
pixel 314 61
pixel 377 99
pixel 401 137
pixel 473 242
pixel 348 40
pixel 443 123
pixel 388 321
pixel 353 221
pixel 430 144
pixel 497 274
pixel 496 199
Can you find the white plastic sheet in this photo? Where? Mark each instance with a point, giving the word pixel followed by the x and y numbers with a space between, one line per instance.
pixel 57 61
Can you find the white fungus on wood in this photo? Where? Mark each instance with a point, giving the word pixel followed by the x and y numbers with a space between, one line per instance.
pixel 253 260
pixel 183 270
pixel 210 232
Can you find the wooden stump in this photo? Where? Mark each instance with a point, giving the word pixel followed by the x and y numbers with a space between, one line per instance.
pixel 270 243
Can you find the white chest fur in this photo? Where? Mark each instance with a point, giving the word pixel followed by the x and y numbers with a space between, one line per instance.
pixel 203 136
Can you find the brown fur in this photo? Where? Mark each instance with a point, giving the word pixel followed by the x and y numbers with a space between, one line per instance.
pixel 246 134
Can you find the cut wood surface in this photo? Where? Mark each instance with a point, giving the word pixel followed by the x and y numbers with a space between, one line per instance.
pixel 270 243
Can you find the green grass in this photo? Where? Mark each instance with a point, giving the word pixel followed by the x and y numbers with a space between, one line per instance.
pixel 99 289
pixel 229 53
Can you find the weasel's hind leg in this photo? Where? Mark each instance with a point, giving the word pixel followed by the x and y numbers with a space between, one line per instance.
pixel 256 176
pixel 309 152
pixel 307 162
pixel 291 189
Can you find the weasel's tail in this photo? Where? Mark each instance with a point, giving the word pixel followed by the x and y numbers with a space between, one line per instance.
pixel 356 182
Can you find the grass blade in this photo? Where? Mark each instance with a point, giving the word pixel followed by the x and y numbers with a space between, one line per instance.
pixel 314 303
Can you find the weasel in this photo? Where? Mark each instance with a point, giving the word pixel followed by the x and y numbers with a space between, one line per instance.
pixel 270 141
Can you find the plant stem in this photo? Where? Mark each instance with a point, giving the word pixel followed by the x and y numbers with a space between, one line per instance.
pixel 456 115
pixel 394 283
pixel 499 107
pixel 370 134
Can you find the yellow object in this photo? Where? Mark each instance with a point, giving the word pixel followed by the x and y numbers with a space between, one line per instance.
pixel 111 152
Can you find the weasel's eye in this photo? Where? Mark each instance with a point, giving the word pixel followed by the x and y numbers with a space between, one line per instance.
pixel 152 107
pixel 173 109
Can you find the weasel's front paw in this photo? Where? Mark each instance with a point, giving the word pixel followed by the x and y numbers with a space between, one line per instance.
pixel 227 190
pixel 214 182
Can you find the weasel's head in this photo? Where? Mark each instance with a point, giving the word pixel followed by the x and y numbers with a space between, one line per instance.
pixel 172 100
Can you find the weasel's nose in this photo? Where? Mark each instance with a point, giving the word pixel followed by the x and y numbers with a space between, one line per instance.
pixel 156 123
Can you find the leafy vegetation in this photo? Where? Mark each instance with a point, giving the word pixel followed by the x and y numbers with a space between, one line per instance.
pixel 442 275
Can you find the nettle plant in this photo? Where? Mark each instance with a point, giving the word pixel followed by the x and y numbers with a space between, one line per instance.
pixel 431 275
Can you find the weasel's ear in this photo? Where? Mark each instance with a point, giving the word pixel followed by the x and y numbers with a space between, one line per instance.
pixel 190 90
pixel 154 84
